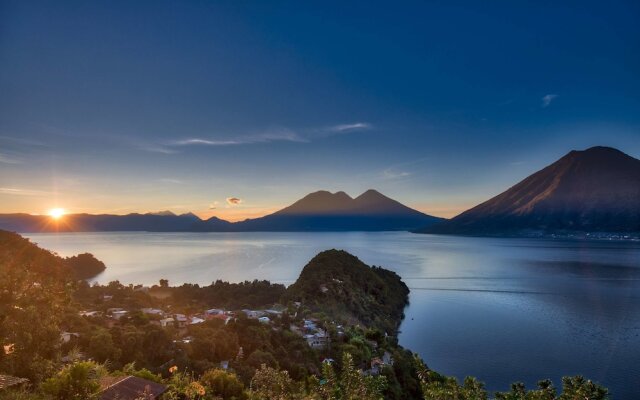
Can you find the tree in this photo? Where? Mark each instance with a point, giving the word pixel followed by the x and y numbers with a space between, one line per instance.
pixel 579 388
pixel 223 384
pixel 78 381
pixel 440 387
pixel 351 385
pixel 270 384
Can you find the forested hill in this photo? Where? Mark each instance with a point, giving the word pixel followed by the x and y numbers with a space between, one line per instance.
pixel 339 284
pixel 18 252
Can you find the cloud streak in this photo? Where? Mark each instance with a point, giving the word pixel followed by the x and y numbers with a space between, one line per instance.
pixel 233 201
pixel 276 135
pixel 391 174
pixel 22 192
pixel 272 135
pixel 5 159
pixel 350 127
pixel 547 99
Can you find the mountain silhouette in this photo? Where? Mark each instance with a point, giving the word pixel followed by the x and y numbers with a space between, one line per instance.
pixel 595 190
pixel 318 211
pixel 325 211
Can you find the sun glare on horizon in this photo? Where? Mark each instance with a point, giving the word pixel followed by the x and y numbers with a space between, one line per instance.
pixel 56 213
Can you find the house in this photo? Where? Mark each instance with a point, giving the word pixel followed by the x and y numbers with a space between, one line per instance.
pixel 130 388
pixel 65 337
pixel 273 312
pixel 8 381
pixel 310 325
pixel 214 311
pixel 167 322
pixel 118 314
pixel 224 364
pixel 107 297
pixel 264 320
pixel 89 313
pixel 186 339
pixel 153 311
pixel 376 366
pixel 196 320
pixel 181 320
pixel 253 314
pixel 317 340
pixel 387 358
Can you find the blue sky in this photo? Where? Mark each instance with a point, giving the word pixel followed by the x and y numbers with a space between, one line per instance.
pixel 139 106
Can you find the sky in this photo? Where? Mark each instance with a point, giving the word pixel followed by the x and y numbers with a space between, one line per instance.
pixel 239 108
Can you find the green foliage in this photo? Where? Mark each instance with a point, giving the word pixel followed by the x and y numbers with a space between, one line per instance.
pixel 20 394
pixel 78 381
pixel 439 387
pixel 183 386
pixel 247 294
pixel 223 384
pixel 351 384
pixel 85 265
pixel 578 388
pixel 130 369
pixel 338 284
pixel 270 384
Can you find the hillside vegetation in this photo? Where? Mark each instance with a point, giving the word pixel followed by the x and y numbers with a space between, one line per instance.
pixel 337 283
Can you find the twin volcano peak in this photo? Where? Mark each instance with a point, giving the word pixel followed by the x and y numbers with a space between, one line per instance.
pixel 327 203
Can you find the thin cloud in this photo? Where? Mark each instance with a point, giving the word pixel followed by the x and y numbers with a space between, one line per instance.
pixel 23 192
pixel 213 205
pixel 350 127
pixel 399 171
pixel 274 135
pixel 390 174
pixel 158 149
pixel 5 159
pixel 170 180
pixel 233 201
pixel 547 99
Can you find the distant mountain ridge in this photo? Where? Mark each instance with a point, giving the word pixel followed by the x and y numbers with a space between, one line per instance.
pixel 594 190
pixel 325 211
pixel 318 211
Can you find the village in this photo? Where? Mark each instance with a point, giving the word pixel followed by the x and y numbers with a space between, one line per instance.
pixel 313 330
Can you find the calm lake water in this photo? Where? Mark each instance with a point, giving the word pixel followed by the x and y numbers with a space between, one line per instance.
pixel 499 309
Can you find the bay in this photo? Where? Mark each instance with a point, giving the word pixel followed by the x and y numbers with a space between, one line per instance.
pixel 498 309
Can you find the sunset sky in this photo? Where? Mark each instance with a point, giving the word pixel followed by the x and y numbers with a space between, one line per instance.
pixel 238 108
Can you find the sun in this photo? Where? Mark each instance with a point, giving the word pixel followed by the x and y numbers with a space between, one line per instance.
pixel 56 213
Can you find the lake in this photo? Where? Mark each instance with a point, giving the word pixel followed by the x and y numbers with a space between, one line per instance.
pixel 498 309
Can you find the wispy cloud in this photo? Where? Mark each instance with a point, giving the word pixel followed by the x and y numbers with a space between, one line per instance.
pixel 273 135
pixel 213 205
pixel 157 149
pixel 547 99
pixel 5 159
pixel 171 181
pixel 391 174
pixel 23 192
pixel 399 171
pixel 279 134
pixel 233 201
pixel 350 127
